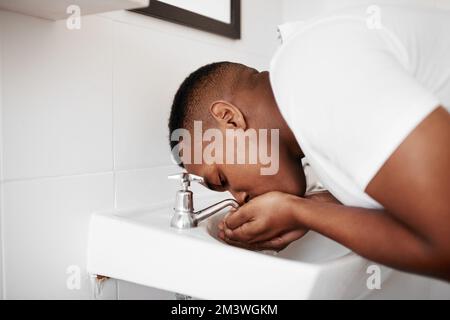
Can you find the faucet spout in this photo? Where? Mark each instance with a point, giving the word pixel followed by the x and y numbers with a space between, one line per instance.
pixel 211 210
pixel 184 216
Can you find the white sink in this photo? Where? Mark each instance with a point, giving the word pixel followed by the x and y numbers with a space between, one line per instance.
pixel 139 246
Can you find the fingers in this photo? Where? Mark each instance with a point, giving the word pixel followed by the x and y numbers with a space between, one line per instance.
pixel 281 242
pixel 244 233
pixel 277 243
pixel 250 232
pixel 238 243
pixel 238 226
pixel 236 218
pixel 222 225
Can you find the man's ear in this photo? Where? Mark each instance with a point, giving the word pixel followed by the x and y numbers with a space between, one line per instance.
pixel 228 115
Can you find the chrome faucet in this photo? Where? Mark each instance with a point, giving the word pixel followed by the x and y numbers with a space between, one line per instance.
pixel 184 216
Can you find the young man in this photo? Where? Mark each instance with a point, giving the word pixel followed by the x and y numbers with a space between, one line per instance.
pixel 364 103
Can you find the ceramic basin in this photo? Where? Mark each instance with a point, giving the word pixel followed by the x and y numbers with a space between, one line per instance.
pixel 139 246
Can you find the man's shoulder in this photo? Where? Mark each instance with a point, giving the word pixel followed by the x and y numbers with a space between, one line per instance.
pixel 309 43
pixel 328 31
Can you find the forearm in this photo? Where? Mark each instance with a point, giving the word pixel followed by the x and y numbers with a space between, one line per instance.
pixel 374 234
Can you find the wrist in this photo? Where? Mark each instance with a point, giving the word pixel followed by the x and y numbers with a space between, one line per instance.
pixel 299 209
pixel 296 207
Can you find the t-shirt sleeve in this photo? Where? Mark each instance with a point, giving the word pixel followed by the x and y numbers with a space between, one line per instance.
pixel 353 92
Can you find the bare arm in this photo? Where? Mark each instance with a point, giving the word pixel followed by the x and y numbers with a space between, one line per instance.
pixel 413 232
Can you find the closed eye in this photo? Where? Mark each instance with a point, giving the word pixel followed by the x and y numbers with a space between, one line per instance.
pixel 220 185
pixel 223 182
pixel 213 186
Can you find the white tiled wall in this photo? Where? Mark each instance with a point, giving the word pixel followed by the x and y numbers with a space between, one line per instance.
pixel 84 128
pixel 46 224
pixel 57 97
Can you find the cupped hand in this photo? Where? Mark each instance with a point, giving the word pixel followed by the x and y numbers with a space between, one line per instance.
pixel 267 222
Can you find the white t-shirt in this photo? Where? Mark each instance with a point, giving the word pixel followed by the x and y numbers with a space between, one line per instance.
pixel 352 89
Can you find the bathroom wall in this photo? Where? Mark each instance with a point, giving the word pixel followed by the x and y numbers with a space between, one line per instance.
pixel 84 116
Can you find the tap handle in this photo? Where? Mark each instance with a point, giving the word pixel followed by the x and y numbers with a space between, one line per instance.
pixel 186 179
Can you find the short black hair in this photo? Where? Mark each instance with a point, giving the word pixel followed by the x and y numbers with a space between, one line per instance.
pixel 192 92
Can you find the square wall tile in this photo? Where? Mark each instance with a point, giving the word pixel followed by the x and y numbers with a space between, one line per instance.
pixel 144 187
pixel 57 96
pixel 148 66
pixel 150 187
pixel 46 229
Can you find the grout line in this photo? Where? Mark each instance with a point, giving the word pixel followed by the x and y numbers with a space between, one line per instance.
pixel 82 174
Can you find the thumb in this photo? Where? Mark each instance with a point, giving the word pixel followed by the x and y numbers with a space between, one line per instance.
pixel 236 218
